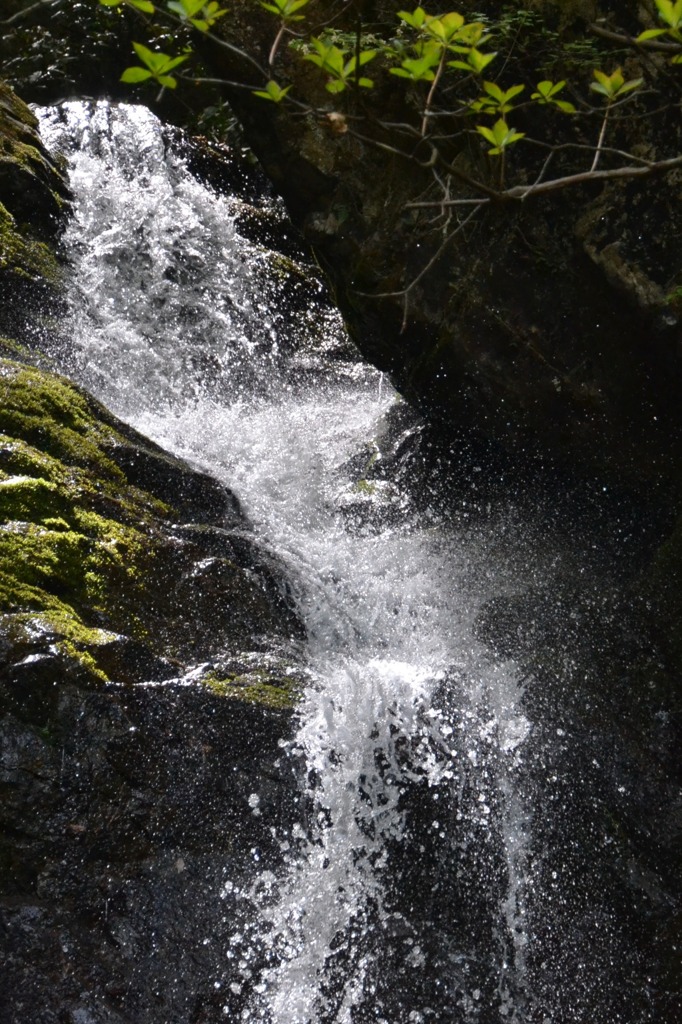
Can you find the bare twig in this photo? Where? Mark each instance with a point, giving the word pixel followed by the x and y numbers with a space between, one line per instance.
pixel 404 292
pixel 432 92
pixel 275 45
pixel 523 192
pixel 29 10
pixel 648 44
pixel 600 143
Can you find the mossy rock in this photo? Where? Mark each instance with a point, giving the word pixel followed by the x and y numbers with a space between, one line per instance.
pixel 112 579
pixel 34 203
pixel 278 690
pixel 33 186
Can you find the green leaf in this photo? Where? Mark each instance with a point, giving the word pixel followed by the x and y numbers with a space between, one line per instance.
pixel 547 89
pixel 445 28
pixel 416 69
pixel 634 83
pixel 272 92
pixel 416 19
pixel 547 93
pixel 500 136
pixel 199 13
pixel 476 61
pixel 651 33
pixel 158 65
pixel 153 60
pixel 328 57
pixel 185 8
pixel 670 13
pixel 140 5
pixel 487 133
pixel 135 74
pixel 366 56
pixel 614 85
pixel 285 9
pixel 174 62
pixel 493 90
pixel 479 61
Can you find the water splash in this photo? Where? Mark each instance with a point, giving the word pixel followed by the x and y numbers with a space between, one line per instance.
pixel 410 893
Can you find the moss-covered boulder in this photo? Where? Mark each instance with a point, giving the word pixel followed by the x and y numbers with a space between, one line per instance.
pixel 117 560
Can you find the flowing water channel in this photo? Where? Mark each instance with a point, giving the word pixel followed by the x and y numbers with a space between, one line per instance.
pixel 437 875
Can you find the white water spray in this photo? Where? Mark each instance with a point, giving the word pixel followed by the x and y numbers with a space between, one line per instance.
pixel 176 329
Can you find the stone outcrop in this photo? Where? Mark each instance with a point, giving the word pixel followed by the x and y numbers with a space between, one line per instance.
pixel 146 679
pixel 115 556
pixel 34 200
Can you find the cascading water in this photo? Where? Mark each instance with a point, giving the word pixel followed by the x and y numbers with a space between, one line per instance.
pixel 419 884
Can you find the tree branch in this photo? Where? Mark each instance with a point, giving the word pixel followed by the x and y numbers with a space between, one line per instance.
pixel 523 192
pixel 648 44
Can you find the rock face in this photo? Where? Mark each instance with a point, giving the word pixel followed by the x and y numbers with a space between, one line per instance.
pixel 34 199
pixel 545 329
pixel 119 556
pixel 126 804
pixel 125 811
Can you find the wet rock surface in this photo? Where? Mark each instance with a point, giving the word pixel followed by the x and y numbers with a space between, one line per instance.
pixel 116 802
pixel 126 807
pixel 34 204
pixel 547 329
pixel 124 813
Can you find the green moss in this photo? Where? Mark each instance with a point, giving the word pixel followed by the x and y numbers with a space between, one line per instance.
pixel 52 414
pixel 257 687
pixel 365 487
pixel 76 541
pixel 25 257
pixel 12 349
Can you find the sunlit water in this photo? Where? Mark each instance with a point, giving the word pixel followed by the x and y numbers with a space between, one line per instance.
pixel 413 735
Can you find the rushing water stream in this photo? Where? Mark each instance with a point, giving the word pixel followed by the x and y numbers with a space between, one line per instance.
pixel 423 883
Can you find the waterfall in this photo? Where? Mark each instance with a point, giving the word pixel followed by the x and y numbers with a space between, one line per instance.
pixel 420 884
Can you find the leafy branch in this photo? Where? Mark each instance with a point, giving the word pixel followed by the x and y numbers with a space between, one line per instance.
pixel 446 65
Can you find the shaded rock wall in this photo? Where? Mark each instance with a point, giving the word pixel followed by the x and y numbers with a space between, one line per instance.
pixel 34 201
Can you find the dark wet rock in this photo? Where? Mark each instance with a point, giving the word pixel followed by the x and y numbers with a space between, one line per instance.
pixel 548 329
pixel 126 808
pixel 123 817
pixel 34 203
pixel 33 188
